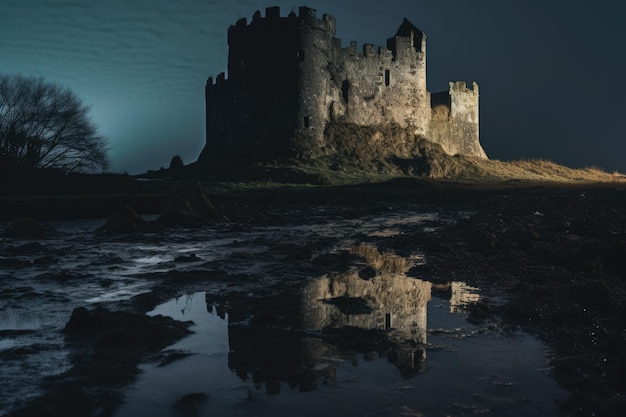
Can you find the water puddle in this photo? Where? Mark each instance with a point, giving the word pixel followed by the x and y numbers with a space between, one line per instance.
pixel 368 341
pixel 279 337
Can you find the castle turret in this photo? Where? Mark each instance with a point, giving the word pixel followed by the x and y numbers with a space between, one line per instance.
pixel 407 36
pixel 315 47
pixel 454 123
pixel 408 47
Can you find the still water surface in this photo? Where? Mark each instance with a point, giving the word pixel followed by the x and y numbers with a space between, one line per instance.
pixel 450 367
pixel 366 340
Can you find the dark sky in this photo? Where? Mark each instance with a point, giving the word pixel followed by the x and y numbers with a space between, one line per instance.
pixel 551 73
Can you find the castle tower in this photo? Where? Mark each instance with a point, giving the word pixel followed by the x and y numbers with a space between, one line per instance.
pixel 274 85
pixel 454 120
pixel 315 42
pixel 289 77
pixel 408 47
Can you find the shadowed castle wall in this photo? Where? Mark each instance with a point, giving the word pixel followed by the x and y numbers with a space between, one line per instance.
pixel 256 107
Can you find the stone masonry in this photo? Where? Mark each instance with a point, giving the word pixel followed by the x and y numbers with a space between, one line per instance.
pixel 290 76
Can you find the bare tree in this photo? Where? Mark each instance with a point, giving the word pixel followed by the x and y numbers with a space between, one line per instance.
pixel 44 125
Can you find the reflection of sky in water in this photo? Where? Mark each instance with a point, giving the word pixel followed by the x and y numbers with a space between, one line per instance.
pixel 126 292
pixel 152 260
pixel 10 320
pixel 78 268
pixel 469 369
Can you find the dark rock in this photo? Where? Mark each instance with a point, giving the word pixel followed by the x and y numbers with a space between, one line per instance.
pixel 125 220
pixel 192 257
pixel 367 273
pixel 104 357
pixel 189 206
pixel 16 332
pixel 116 329
pixel 176 163
pixel 82 321
pixel 188 405
pixel 19 351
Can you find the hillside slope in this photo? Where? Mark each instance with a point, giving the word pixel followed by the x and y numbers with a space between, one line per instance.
pixel 373 153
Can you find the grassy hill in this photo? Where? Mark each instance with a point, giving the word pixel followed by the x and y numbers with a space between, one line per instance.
pixel 358 154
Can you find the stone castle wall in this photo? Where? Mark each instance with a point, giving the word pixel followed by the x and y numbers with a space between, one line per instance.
pixel 454 122
pixel 290 76
pixel 376 86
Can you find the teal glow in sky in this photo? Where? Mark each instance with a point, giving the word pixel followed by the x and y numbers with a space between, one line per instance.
pixel 550 73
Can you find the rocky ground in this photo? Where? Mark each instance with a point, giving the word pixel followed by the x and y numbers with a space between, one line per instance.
pixel 549 260
pixel 559 259
pixel 553 259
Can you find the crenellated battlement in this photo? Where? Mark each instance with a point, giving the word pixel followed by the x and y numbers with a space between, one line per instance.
pixel 220 79
pixel 289 76
pixel 305 17
pixel 461 87
pixel 367 50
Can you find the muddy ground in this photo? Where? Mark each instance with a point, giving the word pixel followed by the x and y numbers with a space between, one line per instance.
pixel 559 257
pixel 548 260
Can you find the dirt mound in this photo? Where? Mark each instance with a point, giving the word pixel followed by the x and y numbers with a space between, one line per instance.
pixel 351 154
pixel 188 206
pixel 125 220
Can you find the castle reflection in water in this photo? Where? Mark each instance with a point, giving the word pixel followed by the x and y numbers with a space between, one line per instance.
pixel 370 310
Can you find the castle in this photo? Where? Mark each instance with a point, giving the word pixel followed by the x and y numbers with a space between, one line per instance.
pixel 288 77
